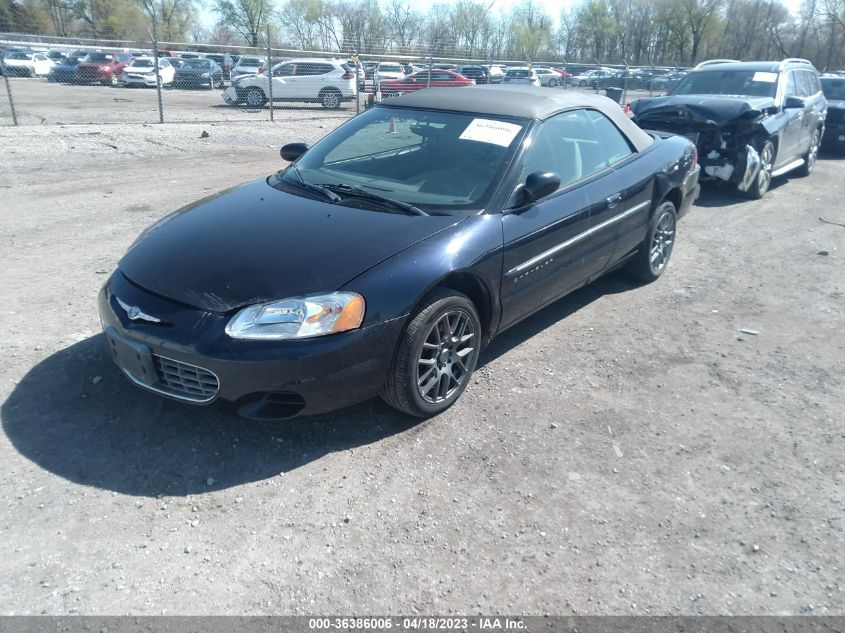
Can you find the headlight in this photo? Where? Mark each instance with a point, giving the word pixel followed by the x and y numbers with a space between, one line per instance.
pixel 299 317
pixel 206 75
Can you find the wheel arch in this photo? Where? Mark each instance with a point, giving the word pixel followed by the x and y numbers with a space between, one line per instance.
pixel 476 290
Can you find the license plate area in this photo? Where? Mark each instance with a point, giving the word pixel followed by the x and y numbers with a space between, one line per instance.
pixel 133 358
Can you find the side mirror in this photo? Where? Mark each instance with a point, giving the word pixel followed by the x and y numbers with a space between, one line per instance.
pixel 793 103
pixel 540 184
pixel 292 151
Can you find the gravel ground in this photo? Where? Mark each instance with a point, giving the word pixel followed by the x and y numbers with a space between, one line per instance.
pixel 626 451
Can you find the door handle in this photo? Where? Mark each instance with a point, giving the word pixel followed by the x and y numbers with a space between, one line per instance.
pixel 613 200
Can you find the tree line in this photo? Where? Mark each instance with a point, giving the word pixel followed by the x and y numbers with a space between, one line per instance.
pixel 637 32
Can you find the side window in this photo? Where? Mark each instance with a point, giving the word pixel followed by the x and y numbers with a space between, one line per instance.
pixel 284 70
pixel 803 81
pixel 791 84
pixel 441 76
pixel 322 69
pixel 813 86
pixel 306 69
pixel 575 145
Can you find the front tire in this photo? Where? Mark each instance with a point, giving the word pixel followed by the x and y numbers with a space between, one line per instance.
pixel 436 357
pixel 255 97
pixel 810 157
pixel 763 180
pixel 654 252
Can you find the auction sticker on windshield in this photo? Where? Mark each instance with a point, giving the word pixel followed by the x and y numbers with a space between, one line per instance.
pixel 489 131
pixel 766 77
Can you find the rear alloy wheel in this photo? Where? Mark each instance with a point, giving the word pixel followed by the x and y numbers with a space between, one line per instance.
pixel 653 257
pixel 330 98
pixel 810 157
pixel 436 357
pixel 255 98
pixel 552 83
pixel 763 180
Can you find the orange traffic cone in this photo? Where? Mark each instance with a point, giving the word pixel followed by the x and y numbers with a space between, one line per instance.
pixel 391 128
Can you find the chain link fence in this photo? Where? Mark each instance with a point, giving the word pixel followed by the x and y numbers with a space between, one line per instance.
pixel 70 81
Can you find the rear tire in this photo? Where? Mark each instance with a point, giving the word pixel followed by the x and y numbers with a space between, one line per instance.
pixel 330 98
pixel 436 355
pixel 255 97
pixel 652 258
pixel 810 157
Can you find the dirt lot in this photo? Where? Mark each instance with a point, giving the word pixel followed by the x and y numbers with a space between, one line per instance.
pixel 627 450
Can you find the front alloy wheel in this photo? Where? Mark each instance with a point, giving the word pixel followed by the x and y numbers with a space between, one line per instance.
pixel 255 98
pixel 330 99
pixel 763 180
pixel 436 356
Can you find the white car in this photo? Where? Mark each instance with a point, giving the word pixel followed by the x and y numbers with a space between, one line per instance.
pixel 325 81
pixel 387 71
pixel 587 78
pixel 521 76
pixel 247 65
pixel 141 72
pixel 548 77
pixel 28 64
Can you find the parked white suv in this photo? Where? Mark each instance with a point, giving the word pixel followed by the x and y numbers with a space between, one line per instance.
pixel 325 81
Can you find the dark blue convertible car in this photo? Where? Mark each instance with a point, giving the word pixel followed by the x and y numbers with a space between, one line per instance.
pixel 384 258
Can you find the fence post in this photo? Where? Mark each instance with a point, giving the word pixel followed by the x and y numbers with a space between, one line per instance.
pixel 158 75
pixel 430 63
pixel 8 90
pixel 270 72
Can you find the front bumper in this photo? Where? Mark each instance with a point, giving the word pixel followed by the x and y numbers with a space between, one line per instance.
pixel 256 379
pixel 88 75
pixel 139 80
pixel 193 82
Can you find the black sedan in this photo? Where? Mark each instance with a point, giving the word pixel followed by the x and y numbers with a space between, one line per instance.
pixel 382 260
pixel 198 73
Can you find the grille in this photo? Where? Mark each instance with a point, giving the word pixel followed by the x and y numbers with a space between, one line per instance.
pixel 186 381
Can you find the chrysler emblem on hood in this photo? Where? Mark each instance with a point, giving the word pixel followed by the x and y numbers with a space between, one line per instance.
pixel 134 312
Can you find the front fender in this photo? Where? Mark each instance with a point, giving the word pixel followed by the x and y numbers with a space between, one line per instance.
pixel 394 287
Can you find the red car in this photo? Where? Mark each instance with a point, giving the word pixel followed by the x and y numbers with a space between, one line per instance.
pixel 102 67
pixel 419 80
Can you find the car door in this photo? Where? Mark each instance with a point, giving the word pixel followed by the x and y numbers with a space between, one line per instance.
pixel 618 191
pixel 810 89
pixel 284 81
pixel 543 250
pixel 308 80
pixel 790 137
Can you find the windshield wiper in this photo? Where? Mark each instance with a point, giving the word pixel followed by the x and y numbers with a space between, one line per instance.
pixel 329 195
pixel 359 192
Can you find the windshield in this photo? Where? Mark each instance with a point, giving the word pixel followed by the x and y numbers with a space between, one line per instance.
pixel 249 61
pixel 834 89
pixel 17 56
pixel 440 162
pixel 746 83
pixel 197 63
pixel 390 68
pixel 97 58
pixel 518 73
pixel 142 63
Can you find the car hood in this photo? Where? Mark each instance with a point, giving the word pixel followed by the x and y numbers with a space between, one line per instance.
pixel 192 71
pixel 254 243
pixel 702 108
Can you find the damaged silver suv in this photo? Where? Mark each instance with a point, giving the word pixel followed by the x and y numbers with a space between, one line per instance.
pixel 751 121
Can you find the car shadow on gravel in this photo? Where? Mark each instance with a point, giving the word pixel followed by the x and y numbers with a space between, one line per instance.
pixel 612 283
pixel 114 436
pixel 716 195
